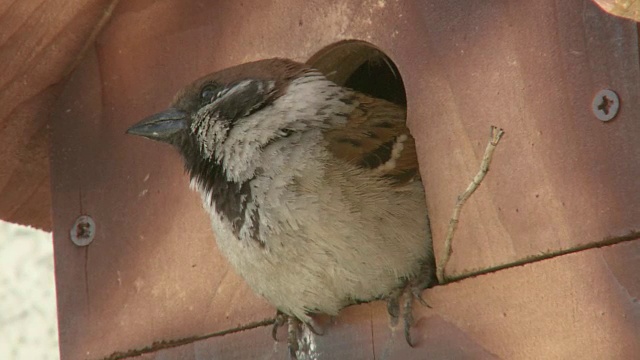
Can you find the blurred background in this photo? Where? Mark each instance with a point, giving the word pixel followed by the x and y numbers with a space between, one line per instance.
pixel 28 321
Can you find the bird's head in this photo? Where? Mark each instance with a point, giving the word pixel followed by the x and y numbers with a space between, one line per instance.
pixel 228 118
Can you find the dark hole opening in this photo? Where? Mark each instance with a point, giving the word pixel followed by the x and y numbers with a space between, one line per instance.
pixel 362 67
pixel 379 78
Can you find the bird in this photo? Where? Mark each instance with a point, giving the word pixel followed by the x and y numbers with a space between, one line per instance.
pixel 313 189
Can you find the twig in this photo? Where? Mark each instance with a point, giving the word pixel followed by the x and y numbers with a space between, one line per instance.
pixel 496 134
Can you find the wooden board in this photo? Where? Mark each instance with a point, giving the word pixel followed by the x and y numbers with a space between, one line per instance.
pixel 545 310
pixel 560 178
pixel 40 43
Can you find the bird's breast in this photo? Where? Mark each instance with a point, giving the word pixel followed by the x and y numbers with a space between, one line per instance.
pixel 328 235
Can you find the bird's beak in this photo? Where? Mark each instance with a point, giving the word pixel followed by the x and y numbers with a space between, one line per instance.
pixel 161 126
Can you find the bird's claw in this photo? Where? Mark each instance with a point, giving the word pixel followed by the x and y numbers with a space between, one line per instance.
pixel 280 319
pixel 294 332
pixel 411 290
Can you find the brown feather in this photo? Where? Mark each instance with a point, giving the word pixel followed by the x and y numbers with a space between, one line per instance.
pixel 373 128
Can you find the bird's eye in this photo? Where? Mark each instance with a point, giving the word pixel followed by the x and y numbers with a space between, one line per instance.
pixel 209 92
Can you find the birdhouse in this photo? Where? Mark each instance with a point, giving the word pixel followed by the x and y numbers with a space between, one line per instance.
pixel 546 250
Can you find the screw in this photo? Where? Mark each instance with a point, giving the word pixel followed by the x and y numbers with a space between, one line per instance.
pixel 605 105
pixel 83 230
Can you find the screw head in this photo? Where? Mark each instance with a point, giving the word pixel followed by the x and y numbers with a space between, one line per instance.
pixel 605 105
pixel 83 230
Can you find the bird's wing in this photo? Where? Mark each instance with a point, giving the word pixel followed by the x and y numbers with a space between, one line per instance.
pixel 376 138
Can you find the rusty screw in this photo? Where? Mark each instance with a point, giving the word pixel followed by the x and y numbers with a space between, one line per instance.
pixel 83 230
pixel 605 105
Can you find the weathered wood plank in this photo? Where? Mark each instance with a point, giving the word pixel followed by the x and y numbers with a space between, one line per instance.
pixel 560 178
pixel 40 43
pixel 583 306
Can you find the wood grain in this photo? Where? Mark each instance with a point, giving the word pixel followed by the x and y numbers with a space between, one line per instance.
pixel 40 44
pixel 560 178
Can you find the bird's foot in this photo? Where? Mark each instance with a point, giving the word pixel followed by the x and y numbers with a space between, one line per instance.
pixel 405 295
pixel 280 320
pixel 295 329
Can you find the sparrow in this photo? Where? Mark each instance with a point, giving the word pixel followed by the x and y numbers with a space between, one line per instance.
pixel 313 189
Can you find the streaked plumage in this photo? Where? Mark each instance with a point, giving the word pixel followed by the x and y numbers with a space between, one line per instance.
pixel 313 190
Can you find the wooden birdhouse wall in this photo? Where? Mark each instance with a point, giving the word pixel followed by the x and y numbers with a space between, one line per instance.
pixel 562 182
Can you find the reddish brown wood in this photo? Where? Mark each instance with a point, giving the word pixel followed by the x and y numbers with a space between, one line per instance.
pixel 40 43
pixel 559 179
pixel 545 310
